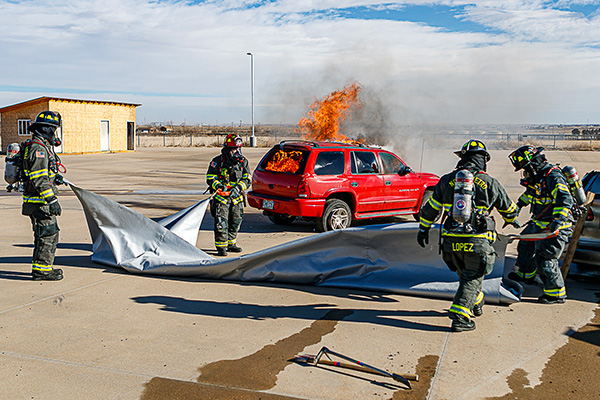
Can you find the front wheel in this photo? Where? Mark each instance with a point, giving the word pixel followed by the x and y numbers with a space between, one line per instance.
pixel 336 215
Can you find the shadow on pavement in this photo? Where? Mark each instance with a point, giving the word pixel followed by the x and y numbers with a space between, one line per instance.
pixel 309 312
pixel 71 246
pixel 15 276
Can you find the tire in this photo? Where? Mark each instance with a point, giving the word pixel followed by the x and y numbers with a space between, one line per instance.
pixel 281 219
pixel 426 196
pixel 336 215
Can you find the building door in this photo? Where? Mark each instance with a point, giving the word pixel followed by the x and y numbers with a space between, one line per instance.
pixel 130 136
pixel 59 135
pixel 104 136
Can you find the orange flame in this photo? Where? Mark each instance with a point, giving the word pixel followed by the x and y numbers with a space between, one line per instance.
pixel 323 119
pixel 285 161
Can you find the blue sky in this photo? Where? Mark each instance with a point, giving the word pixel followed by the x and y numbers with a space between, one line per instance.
pixel 419 62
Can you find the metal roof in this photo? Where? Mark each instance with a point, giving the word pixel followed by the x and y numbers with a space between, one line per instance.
pixel 47 98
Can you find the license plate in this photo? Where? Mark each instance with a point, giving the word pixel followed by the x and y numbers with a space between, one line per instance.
pixel 268 204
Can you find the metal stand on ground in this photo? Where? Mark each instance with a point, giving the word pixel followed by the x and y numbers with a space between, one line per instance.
pixel 356 365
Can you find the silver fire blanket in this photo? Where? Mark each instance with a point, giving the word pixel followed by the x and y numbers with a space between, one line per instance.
pixel 381 258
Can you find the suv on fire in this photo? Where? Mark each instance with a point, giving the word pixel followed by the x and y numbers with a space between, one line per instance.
pixel 335 183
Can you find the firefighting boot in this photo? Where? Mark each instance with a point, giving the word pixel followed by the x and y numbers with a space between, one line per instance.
pixel 222 251
pixel 461 324
pixel 545 299
pixel 53 275
pixel 478 309
pixel 234 249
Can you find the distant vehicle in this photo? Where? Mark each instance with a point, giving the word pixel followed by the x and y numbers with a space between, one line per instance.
pixel 588 248
pixel 335 183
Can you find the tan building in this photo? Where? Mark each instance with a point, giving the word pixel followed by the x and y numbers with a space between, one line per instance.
pixel 87 125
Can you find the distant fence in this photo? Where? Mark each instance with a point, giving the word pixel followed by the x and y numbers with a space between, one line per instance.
pixel 455 140
pixel 199 140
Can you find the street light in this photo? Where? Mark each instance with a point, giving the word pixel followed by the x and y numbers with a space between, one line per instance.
pixel 252 138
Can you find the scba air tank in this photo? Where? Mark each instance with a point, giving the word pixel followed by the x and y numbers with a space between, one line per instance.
pixel 574 184
pixel 11 169
pixel 463 197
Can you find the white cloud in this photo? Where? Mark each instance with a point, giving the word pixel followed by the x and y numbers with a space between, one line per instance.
pixel 536 64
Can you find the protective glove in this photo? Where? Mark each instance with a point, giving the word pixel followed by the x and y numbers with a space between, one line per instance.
pixel 554 225
pixel 55 208
pixel 59 180
pixel 236 191
pixel 218 186
pixel 423 237
pixel 578 212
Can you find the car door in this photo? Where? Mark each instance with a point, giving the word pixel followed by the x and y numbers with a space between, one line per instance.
pixel 401 192
pixel 366 181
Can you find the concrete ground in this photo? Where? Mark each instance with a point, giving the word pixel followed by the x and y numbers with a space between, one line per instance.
pixel 102 333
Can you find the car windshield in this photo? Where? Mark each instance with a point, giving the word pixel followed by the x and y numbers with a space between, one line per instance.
pixel 287 160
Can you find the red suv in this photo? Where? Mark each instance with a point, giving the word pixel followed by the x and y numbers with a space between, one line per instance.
pixel 334 183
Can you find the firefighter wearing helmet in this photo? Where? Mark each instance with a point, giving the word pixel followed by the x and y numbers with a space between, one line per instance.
pixel 228 177
pixel 40 201
pixel 547 191
pixel 466 197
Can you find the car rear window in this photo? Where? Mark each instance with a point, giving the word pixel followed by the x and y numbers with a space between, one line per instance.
pixel 330 163
pixel 291 161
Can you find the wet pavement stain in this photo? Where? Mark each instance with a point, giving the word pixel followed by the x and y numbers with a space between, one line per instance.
pixel 259 370
pixel 236 379
pixel 171 389
pixel 571 373
pixel 426 367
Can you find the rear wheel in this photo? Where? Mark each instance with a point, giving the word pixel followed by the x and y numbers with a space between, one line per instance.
pixel 336 215
pixel 282 219
pixel 426 196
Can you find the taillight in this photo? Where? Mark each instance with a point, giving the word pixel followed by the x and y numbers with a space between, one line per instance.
pixel 303 190
pixel 590 215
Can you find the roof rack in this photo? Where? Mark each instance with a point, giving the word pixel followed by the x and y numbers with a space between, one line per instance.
pixel 314 144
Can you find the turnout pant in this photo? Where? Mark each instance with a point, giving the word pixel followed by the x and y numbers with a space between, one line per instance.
pixel 471 259
pixel 228 218
pixel 541 256
pixel 45 238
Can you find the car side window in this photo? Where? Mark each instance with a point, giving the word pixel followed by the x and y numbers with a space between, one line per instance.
pixel 364 162
pixel 391 164
pixel 330 163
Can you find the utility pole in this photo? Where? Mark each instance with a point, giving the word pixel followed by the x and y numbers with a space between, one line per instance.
pixel 252 138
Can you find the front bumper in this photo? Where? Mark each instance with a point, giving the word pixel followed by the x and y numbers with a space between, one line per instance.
pixel 308 208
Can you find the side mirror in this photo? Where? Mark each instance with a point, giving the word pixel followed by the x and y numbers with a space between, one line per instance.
pixel 404 170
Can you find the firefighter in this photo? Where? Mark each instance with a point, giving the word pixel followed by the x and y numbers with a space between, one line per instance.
pixel 548 194
pixel 466 197
pixel 40 201
pixel 228 177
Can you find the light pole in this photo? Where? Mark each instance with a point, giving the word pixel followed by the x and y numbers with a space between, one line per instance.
pixel 252 138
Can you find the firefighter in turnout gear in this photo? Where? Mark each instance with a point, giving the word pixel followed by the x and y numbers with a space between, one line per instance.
pixel 40 201
pixel 548 194
pixel 228 177
pixel 466 197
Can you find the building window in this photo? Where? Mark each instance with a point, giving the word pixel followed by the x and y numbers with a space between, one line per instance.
pixel 23 125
